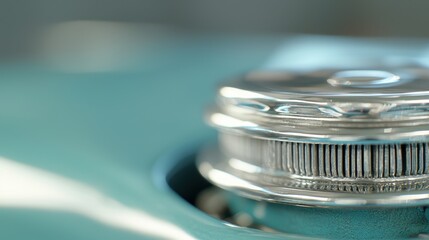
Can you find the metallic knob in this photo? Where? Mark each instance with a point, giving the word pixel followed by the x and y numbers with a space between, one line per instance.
pixel 333 138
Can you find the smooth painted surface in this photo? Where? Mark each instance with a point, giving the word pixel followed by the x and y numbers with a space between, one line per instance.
pixel 78 149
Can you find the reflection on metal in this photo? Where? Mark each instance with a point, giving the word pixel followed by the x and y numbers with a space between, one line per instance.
pixel 327 192
pixel 228 121
pixel 23 186
pixel 326 137
pixel 317 161
pixel 363 79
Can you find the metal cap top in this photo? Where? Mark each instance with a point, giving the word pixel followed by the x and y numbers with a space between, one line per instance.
pixel 366 105
pixel 350 137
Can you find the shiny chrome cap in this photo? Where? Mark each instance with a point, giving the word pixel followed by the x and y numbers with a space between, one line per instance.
pixel 348 137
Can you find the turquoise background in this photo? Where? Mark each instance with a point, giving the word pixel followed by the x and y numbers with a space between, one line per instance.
pixel 106 131
pixel 107 139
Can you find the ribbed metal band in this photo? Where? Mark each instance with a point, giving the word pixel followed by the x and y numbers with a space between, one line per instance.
pixel 346 161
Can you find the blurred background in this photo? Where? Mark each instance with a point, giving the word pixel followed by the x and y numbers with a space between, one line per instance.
pixel 96 91
pixel 28 26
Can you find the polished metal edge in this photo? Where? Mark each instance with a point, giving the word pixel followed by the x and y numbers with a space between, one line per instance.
pixel 214 166
pixel 317 132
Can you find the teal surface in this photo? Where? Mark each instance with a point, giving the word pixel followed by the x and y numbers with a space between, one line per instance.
pixel 332 223
pixel 79 149
pixel 84 155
